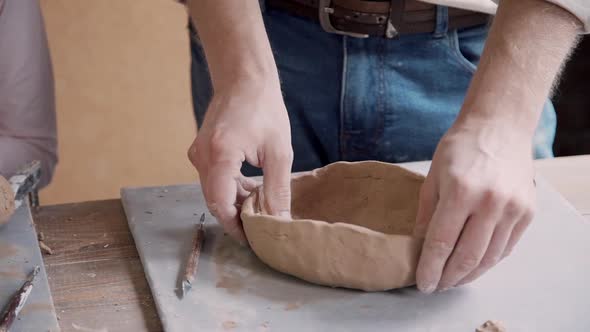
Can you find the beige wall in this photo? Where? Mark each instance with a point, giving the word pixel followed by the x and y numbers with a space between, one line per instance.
pixel 123 96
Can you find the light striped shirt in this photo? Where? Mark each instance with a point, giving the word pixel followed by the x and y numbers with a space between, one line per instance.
pixel 27 105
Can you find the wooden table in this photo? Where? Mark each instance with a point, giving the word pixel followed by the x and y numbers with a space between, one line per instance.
pixel 97 279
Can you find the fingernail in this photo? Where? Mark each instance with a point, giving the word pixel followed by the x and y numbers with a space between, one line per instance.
pixel 444 289
pixel 285 214
pixel 428 288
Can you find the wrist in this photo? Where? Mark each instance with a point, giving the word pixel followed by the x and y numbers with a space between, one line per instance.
pixel 248 60
pixel 256 74
pixel 490 139
pixel 501 102
pixel 249 85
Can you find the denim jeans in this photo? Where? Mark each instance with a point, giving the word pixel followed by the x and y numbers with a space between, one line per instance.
pixel 375 98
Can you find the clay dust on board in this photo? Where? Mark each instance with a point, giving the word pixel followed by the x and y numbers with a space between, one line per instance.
pixel 8 250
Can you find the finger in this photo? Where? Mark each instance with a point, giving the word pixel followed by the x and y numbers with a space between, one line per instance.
pixel 471 247
pixel 277 182
pixel 426 206
pixel 517 232
pixel 203 182
pixel 247 183
pixel 221 194
pixel 199 166
pixel 242 195
pixel 493 254
pixel 192 154
pixel 245 188
pixel 233 226
pixel 446 225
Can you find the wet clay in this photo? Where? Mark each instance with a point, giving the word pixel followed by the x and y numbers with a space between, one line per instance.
pixel 351 227
pixel 8 250
pixel 6 201
pixel 229 325
pixel 226 256
pixel 292 306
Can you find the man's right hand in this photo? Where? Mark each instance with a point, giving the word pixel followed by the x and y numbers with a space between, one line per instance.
pixel 246 119
pixel 244 122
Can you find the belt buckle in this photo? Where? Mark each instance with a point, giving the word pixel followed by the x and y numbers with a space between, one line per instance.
pixel 324 12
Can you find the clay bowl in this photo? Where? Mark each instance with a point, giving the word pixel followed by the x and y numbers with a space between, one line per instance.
pixel 351 227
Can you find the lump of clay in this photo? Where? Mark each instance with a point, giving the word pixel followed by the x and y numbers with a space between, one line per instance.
pixel 491 326
pixel 351 227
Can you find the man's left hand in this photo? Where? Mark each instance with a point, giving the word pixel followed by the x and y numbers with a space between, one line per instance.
pixel 479 196
pixel 475 204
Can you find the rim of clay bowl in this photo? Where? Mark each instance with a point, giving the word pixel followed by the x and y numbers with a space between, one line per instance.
pixel 251 208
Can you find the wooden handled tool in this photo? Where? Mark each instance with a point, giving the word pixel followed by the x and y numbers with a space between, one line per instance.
pixel 14 190
pixel 17 302
pixel 190 271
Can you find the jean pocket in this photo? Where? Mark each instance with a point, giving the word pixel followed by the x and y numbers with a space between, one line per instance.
pixel 459 56
pixel 467 46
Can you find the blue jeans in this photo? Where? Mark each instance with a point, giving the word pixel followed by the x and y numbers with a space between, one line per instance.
pixel 358 99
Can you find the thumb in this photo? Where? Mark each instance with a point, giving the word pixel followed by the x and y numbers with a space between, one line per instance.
pixel 426 207
pixel 277 182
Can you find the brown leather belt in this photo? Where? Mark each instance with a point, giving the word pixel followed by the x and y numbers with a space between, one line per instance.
pixel 385 18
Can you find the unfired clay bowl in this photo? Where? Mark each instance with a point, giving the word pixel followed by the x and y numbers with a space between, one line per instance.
pixel 351 227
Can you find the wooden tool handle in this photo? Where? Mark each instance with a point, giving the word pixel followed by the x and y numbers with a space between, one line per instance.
pixel 6 201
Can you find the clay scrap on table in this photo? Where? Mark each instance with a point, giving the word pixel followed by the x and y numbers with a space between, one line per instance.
pixel 351 227
pixel 6 201
pixel 491 326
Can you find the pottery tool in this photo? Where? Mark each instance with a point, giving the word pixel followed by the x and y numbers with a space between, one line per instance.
pixel 14 191
pixel 190 270
pixel 18 301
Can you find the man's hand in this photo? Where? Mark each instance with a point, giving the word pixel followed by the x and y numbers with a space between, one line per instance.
pixel 478 197
pixel 247 123
pixel 475 204
pixel 247 119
